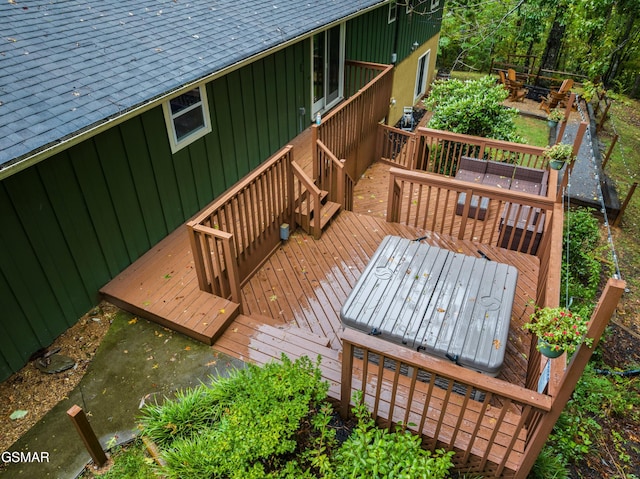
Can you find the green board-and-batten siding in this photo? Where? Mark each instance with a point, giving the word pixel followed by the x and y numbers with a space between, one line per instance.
pixel 72 222
pixel 372 38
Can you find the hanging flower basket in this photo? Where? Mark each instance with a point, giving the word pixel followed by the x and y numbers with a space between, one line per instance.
pixel 558 330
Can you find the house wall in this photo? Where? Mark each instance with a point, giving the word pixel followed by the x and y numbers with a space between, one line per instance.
pixel 371 37
pixel 404 80
pixel 72 222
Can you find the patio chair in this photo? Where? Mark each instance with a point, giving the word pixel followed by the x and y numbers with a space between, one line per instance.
pixel 516 90
pixel 557 97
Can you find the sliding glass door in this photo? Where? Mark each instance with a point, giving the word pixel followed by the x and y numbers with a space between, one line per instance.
pixel 328 68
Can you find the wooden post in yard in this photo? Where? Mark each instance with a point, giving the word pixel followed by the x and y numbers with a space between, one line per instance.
pixel 80 421
pixel 610 150
pixel 616 222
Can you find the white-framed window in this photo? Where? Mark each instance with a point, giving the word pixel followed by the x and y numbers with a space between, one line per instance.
pixel 187 117
pixel 422 73
pixel 393 11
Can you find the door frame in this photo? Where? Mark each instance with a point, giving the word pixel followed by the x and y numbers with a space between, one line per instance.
pixel 320 106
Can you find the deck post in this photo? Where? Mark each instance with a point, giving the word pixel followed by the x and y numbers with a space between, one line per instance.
pixel 198 260
pixel 599 320
pixel 346 378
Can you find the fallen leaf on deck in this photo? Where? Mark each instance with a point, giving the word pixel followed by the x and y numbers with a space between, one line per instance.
pixel 273 297
pixel 221 311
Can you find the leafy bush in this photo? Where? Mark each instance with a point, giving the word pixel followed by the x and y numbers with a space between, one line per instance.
pixel 581 274
pixel 273 422
pixel 472 107
pixel 373 453
pixel 239 427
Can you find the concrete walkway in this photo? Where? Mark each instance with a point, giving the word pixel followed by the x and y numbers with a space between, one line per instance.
pixel 137 360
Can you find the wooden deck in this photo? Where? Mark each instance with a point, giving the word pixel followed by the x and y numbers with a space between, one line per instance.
pixel 292 304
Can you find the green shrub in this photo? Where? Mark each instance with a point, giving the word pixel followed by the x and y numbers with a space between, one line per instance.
pixel 373 453
pixel 549 465
pixel 595 398
pixel 472 107
pixel 581 273
pixel 239 427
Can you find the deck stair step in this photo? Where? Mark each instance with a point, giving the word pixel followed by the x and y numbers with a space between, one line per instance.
pixel 307 212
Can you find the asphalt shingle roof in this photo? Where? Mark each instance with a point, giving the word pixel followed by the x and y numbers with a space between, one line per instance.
pixel 68 64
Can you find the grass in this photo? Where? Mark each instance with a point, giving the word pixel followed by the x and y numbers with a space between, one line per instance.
pixel 624 169
pixel 533 130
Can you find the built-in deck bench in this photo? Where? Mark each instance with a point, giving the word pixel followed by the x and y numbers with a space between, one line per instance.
pixel 511 177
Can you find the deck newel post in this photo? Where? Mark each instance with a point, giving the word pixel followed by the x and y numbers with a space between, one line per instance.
pixel 347 378
pixel 198 261
pixel 314 151
pixel 392 208
pixel 599 320
pixel 232 270
pixel 291 189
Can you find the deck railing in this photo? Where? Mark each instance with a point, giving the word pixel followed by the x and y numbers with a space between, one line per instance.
pixel 349 130
pixel 437 151
pixel 495 428
pixel 333 178
pixel 511 219
pixel 397 147
pixel 482 419
pixel 231 238
pixel 307 199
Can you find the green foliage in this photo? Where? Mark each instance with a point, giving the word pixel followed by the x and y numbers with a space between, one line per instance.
pixel 561 329
pixel 581 273
pixel 472 107
pixel 274 422
pixel 241 426
pixel 130 463
pixel 373 453
pixel 549 465
pixel 595 398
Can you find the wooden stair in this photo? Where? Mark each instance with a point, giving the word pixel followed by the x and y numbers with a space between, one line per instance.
pixel 307 212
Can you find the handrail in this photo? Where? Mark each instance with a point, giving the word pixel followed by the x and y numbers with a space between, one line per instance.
pixel 439 151
pixel 233 236
pixel 348 131
pixel 223 277
pixel 333 178
pixel 396 146
pixel 307 200
pixel 512 219
pixel 483 419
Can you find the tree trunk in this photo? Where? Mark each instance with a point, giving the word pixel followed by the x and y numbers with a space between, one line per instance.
pixel 635 91
pixel 615 62
pixel 551 55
